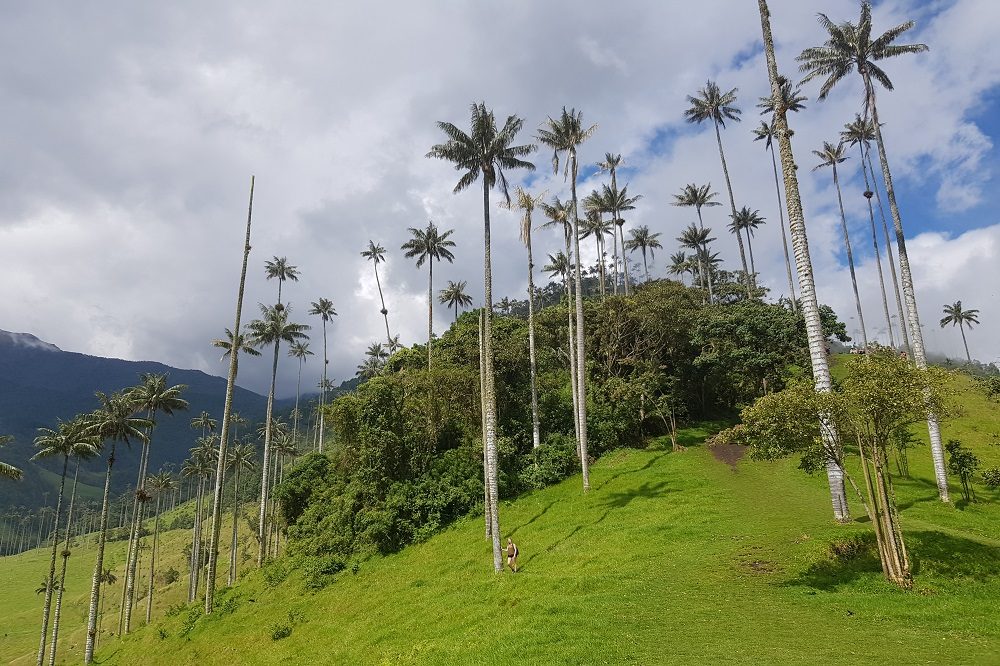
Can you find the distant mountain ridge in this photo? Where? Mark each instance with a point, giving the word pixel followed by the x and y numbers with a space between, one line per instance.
pixel 40 383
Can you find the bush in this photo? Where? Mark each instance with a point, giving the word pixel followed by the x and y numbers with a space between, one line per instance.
pixel 192 618
pixel 991 477
pixel 963 463
pixel 280 631
pixel 320 571
pixel 551 462
pixel 275 572
pixel 169 576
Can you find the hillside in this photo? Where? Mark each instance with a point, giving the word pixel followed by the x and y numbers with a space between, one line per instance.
pixel 40 383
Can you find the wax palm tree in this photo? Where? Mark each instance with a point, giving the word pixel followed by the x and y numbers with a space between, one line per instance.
pixel 198 467
pixel 697 239
pixel 6 469
pixel 300 351
pixel 611 163
pixel 807 287
pixel 205 423
pixel 698 197
pixel 454 296
pixel 159 485
pixel 850 47
pixel 242 458
pixel 323 308
pixel 526 203
pixel 88 446
pixel 375 357
pixel 641 239
pixel 595 225
pixel 108 577
pixel 271 329
pixel 860 133
pixel 152 395
pixel 486 152
pixel 747 221
pixel 213 550
pixel 376 254
pixel 279 269
pixel 427 245
pixel 766 133
pixel 679 265
pixel 620 201
pixel 563 136
pixel 710 103
pixel 114 421
pixel 69 439
pixel 956 316
pixel 830 156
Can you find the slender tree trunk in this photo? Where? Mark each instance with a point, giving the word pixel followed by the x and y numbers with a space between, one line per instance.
pixel 133 553
pixel 50 581
pixel 784 238
pixel 385 312
pixel 152 562
pixel 600 262
pixel 892 262
pixel 909 295
pixel 236 515
pixel 574 389
pixel 535 433
pixel 195 577
pixel 708 266
pixel 487 503
pixel 430 308
pixel 614 240
pixel 322 392
pixel 850 261
pixel 807 287
pixel 753 268
pixel 748 278
pixel 95 583
pixel 62 575
pixel 213 549
pixel 581 360
pixel 961 328
pixel 298 391
pixel 490 398
pixel 266 466
pixel 645 266
pixel 878 255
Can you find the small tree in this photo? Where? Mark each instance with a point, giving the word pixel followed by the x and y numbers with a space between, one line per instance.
pixel 964 463
pixel 880 394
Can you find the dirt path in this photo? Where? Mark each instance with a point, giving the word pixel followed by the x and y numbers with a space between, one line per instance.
pixel 728 453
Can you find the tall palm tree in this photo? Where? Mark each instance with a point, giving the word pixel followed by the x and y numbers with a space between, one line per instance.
pixel 830 156
pixel 803 263
pixel 526 203
pixel 279 269
pixel 860 133
pixel 563 136
pixel 595 225
pixel 7 470
pixel 559 215
pixel 427 245
pixel 611 163
pixel 301 351
pixel 323 308
pixel 850 47
pixel 154 396
pixel 697 239
pixel 88 447
pixel 376 254
pixel 69 439
pixel 747 221
pixel 198 467
pixel 205 423
pixel 698 197
pixel 107 578
pixel 272 328
pixel 642 240
pixel 956 316
pixel 160 484
pixel 486 152
pixel 710 103
pixel 242 458
pixel 766 132
pixel 375 357
pixel 454 296
pixel 679 265
pixel 227 415
pixel 619 201
pixel 114 421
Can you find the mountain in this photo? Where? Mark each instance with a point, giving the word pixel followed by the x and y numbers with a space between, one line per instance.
pixel 40 383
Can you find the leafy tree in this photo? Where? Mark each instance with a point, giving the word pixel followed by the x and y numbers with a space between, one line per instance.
pixel 956 316
pixel 850 47
pixel 486 152
pixel 710 103
pixel 641 239
pixel 427 245
pixel 963 463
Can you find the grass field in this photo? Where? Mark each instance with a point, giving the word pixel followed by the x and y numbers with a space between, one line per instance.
pixel 671 558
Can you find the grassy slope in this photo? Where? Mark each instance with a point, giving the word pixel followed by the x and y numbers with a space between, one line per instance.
pixel 672 558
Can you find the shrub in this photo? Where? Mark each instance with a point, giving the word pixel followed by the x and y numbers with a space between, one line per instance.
pixel 991 477
pixel 275 572
pixel 319 572
pixel 963 463
pixel 169 576
pixel 280 631
pixel 553 461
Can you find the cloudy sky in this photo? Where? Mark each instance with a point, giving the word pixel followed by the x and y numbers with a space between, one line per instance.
pixel 130 132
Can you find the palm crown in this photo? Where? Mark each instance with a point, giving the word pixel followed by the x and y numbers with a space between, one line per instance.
pixel 860 131
pixel 563 135
pixel 711 103
pixel 697 196
pixel 746 220
pixel 454 295
pixel 956 316
pixel 641 239
pixel 324 308
pixel 375 253
pixel 830 155
pixel 274 327
pixel 430 244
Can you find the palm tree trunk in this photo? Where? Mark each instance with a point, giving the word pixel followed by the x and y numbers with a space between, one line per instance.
pixel 708 266
pixel 195 577
pixel 645 266
pixel 600 262
pixel 489 383
pixel 385 312
pixel 430 308
pixel 732 205
pixel 850 261
pixel 892 262
pixel 535 433
pixel 878 254
pixel 236 515
pixel 784 239
pixel 298 391
pixel 807 286
pixel 133 553
pixel 50 581
pixel 753 268
pixel 614 240
pixel 266 466
pixel 152 561
pixel 581 360
pixel 571 345
pixel 961 328
pixel 487 503
pixel 62 574
pixel 213 548
pixel 909 295
pixel 95 583
pixel 322 391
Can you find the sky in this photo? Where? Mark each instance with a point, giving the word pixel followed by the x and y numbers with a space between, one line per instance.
pixel 131 130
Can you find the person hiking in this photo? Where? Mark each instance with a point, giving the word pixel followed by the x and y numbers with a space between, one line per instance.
pixel 512 553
